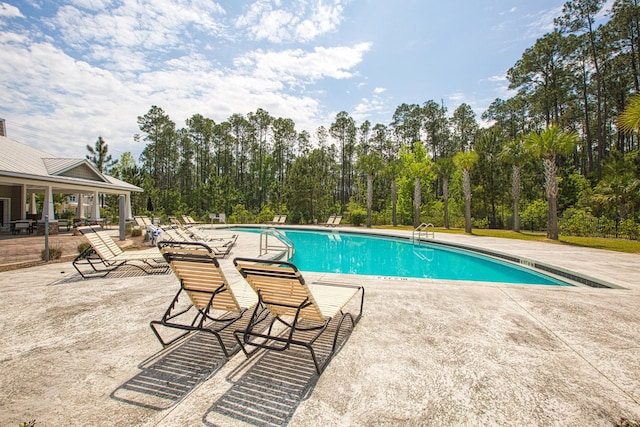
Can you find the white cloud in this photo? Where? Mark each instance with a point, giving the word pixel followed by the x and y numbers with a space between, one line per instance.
pixel 9 11
pixel 303 21
pixel 297 66
pixel 138 28
pixel 96 70
pixel 542 23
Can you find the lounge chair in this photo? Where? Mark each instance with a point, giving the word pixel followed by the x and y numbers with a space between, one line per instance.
pixel 220 247
pixel 104 255
pixel 304 311
pixel 282 219
pixel 197 234
pixel 145 223
pixel 212 308
pixel 276 220
pixel 175 233
pixel 188 220
pixel 336 221
pixel 330 221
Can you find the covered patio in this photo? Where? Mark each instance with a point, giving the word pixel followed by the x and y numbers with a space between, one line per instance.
pixel 26 172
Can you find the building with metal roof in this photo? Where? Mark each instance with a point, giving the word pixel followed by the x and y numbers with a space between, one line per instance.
pixel 26 172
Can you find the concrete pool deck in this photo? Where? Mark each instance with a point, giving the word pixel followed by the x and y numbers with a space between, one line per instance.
pixel 426 352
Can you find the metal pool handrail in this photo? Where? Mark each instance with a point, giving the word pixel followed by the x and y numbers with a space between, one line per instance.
pixel 423 228
pixel 283 242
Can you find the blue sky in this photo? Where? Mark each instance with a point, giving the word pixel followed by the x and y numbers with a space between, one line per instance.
pixel 75 70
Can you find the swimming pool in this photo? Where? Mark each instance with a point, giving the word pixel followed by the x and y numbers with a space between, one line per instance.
pixel 353 253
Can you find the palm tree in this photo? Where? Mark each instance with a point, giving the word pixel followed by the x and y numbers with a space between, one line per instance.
pixel 370 163
pixel 445 168
pixel 391 171
pixel 465 161
pixel 419 168
pixel 629 120
pixel 618 187
pixel 548 145
pixel 515 153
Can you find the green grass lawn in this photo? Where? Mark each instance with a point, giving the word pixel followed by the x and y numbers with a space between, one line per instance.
pixel 619 245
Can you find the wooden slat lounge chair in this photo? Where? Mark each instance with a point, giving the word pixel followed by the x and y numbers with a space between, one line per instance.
pixel 104 255
pixel 220 247
pixel 188 220
pixel 282 220
pixel 212 305
pixel 275 220
pixel 336 221
pixel 216 241
pixel 330 221
pixel 304 311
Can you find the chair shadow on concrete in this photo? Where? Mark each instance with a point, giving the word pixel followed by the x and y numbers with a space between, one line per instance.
pixel 71 276
pixel 169 375
pixel 268 392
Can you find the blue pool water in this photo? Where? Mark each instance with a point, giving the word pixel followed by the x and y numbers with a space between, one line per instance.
pixel 351 253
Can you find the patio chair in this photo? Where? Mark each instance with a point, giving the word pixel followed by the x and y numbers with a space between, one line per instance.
pixel 282 219
pixel 104 255
pixel 330 221
pixel 300 313
pixel 139 222
pixel 218 241
pixel 275 220
pixel 219 246
pixel 212 305
pixel 336 221
pixel 188 220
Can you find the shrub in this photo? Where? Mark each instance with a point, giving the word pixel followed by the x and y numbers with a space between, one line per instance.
pixel 480 222
pixel 535 216
pixel 265 215
pixel 240 215
pixel 83 247
pixel 578 222
pixel 55 252
pixel 136 232
pixel 606 227
pixel 629 229
pixel 357 217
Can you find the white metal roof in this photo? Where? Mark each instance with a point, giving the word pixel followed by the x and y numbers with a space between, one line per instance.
pixel 20 161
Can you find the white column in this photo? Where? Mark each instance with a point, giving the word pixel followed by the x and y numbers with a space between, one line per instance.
pixel 47 207
pixel 127 205
pixel 80 207
pixel 33 208
pixel 95 212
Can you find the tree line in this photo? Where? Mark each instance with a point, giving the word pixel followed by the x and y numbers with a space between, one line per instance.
pixel 555 156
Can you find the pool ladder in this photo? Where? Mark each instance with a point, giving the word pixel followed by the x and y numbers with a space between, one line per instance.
pixel 282 242
pixel 423 229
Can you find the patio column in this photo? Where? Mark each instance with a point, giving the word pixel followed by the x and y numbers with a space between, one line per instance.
pixel 23 202
pixel 33 208
pixel 127 205
pixel 80 207
pixel 47 207
pixel 95 212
